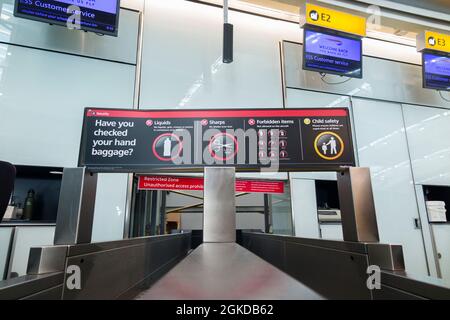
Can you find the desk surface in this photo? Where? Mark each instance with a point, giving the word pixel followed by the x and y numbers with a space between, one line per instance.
pixel 226 271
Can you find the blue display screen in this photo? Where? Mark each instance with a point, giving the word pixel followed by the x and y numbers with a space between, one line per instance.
pixel 331 53
pixel 436 71
pixel 100 16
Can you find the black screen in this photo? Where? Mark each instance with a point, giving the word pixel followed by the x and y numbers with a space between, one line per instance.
pixel 100 16
pixel 331 53
pixel 436 71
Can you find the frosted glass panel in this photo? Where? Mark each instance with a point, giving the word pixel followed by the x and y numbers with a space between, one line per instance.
pixel 442 239
pixel 45 36
pixel 109 215
pixel 25 238
pixel 42 97
pixel 382 146
pixel 331 231
pixel 428 131
pixel 382 79
pixel 182 58
pixel 304 208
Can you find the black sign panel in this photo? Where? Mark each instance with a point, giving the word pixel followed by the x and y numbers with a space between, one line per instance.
pixel 100 16
pixel 251 139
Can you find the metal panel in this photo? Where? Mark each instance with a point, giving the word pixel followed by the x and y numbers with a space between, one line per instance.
pixel 355 247
pixel 270 249
pixel 226 271
pixel 427 287
pixel 113 270
pixel 334 274
pixel 331 270
pixel 47 259
pixel 219 217
pixel 76 207
pixel 388 293
pixel 335 270
pixel 359 221
pixel 24 286
pixel 54 293
pixel 386 256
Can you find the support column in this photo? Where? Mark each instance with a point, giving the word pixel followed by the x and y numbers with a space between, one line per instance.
pixel 219 215
pixel 76 207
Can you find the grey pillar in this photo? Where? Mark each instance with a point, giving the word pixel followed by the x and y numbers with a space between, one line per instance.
pixel 219 215
pixel 76 207
pixel 359 223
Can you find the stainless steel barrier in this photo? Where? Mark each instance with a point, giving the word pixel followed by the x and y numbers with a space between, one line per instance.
pixel 104 270
pixel 314 268
pixel 339 269
pixel 34 287
pixel 226 271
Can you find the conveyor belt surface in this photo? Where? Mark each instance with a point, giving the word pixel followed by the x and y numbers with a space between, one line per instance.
pixel 226 271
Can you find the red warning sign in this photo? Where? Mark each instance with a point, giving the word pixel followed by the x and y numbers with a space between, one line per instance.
pixel 160 182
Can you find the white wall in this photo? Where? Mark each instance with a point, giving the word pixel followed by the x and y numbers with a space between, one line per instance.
pixel 182 58
pixel 428 131
pixel 44 88
pixel 382 146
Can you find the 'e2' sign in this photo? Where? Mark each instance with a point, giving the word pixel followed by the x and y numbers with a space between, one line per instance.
pixel 325 17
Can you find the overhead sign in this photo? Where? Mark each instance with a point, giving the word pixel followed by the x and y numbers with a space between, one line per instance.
pixel 333 19
pixel 433 41
pixel 330 53
pixel 248 139
pixel 160 182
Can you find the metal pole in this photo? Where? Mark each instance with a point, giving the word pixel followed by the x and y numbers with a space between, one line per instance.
pixel 219 215
pixel 266 214
pixel 359 222
pixel 75 215
pixel 227 55
pixel 225 11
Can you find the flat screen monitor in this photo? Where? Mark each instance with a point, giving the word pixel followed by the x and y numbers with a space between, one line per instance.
pixel 332 53
pixel 99 16
pixel 436 71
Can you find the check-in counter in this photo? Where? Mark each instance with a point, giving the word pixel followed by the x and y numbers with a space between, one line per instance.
pixel 16 239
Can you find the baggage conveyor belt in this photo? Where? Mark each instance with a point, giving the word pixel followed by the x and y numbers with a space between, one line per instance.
pixel 226 271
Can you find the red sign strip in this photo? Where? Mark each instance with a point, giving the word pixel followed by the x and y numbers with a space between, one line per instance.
pixel 160 182
pixel 200 114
